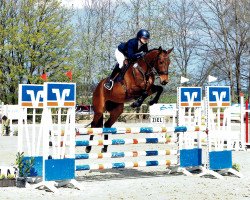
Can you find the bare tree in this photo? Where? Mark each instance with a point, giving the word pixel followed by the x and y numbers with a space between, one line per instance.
pixel 96 35
pixel 211 37
pixel 226 32
pixel 178 25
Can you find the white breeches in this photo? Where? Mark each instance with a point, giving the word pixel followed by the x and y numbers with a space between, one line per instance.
pixel 119 57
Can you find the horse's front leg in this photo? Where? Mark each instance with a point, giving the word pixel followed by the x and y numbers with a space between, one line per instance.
pixel 158 89
pixel 140 100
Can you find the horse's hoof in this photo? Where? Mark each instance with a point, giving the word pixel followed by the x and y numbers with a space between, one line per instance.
pixel 104 150
pixel 135 105
pixel 132 105
pixel 151 103
pixel 88 149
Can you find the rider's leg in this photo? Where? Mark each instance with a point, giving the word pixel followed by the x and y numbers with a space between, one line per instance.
pixel 120 59
pixel 124 68
pixel 110 81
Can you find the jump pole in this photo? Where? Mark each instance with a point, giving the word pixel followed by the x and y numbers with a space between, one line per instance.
pixel 247 111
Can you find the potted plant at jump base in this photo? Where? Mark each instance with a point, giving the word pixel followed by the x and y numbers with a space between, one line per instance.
pixel 11 180
pixel 2 177
pixel 23 166
pixel 8 181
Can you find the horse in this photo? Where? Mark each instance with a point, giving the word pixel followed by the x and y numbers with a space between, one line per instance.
pixel 136 83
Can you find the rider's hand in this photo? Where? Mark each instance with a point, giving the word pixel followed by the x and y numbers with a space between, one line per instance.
pixel 142 54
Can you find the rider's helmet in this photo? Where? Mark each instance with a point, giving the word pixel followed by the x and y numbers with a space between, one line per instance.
pixel 143 33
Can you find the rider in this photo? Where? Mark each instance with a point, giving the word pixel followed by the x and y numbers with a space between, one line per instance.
pixel 133 49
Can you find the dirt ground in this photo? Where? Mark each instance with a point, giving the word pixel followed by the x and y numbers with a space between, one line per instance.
pixel 136 183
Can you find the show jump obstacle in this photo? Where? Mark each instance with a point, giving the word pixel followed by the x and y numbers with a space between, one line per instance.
pixel 52 139
pixel 50 162
pixel 219 134
pixel 188 157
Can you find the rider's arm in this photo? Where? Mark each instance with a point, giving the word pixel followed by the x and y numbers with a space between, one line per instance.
pixel 144 48
pixel 132 46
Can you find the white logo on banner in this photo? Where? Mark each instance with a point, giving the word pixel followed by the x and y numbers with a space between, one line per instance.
pixel 60 100
pixel 35 100
pixel 191 97
pixel 220 98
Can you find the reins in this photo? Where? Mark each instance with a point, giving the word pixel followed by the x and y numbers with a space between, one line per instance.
pixel 152 68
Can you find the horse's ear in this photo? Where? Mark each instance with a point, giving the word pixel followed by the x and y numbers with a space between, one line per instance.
pixel 160 49
pixel 170 50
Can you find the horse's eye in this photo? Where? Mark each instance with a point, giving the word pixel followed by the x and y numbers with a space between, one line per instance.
pixel 161 62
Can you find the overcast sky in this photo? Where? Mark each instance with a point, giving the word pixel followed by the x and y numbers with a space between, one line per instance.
pixel 75 3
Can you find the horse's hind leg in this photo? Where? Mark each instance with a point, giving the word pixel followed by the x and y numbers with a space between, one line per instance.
pixel 96 123
pixel 115 110
pixel 99 108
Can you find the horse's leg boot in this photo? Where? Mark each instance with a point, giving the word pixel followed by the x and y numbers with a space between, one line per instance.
pixel 105 147
pixel 135 104
pixel 140 100
pixel 88 148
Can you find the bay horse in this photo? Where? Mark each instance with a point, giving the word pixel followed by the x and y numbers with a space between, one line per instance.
pixel 138 83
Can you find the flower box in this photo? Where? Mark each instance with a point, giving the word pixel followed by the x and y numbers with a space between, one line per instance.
pixel 7 182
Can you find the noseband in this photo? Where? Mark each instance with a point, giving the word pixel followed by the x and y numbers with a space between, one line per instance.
pixel 163 73
pixel 153 68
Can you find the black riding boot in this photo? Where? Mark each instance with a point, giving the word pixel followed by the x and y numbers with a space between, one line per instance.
pixel 110 82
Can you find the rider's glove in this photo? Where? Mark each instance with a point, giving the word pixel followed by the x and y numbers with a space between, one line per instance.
pixel 142 54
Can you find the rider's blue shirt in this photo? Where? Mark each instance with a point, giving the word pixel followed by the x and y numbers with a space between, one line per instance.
pixel 132 50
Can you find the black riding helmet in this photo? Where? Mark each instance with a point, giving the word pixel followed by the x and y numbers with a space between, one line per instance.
pixel 143 33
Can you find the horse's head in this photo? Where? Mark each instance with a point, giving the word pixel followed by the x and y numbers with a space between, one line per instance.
pixel 159 60
pixel 163 62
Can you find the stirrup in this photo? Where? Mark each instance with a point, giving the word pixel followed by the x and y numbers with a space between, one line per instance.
pixel 109 85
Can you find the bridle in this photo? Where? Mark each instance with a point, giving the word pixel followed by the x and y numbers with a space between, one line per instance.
pixel 152 66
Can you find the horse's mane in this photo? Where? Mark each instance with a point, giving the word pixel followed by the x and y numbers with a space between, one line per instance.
pixel 156 49
pixel 152 50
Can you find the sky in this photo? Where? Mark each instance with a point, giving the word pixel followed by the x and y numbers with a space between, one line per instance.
pixel 77 4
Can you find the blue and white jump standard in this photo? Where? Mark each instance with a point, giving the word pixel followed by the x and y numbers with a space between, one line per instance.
pixel 190 151
pixel 52 166
pixel 219 143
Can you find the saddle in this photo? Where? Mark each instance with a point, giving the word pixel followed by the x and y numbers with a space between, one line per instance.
pixel 138 73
